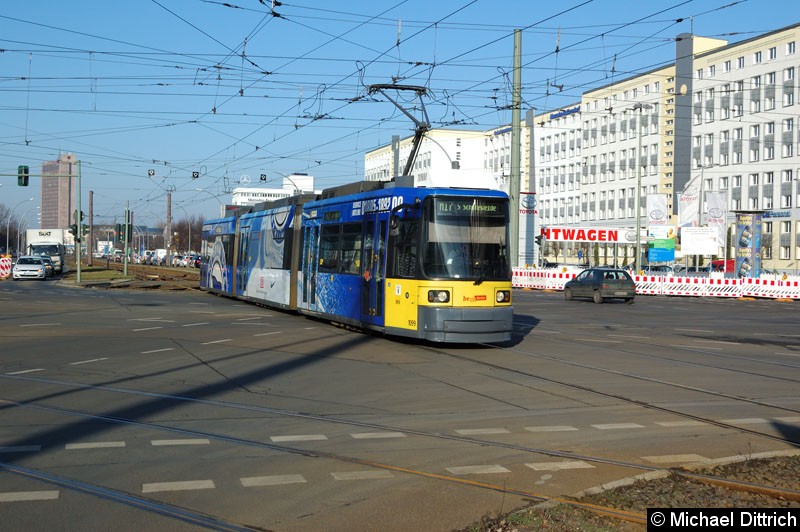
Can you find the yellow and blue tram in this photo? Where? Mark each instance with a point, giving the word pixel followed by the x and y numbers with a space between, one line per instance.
pixel 427 263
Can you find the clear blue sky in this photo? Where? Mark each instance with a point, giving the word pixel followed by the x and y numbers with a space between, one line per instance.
pixel 230 89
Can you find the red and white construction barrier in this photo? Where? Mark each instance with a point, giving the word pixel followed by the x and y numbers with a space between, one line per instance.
pixel 5 268
pixel 768 287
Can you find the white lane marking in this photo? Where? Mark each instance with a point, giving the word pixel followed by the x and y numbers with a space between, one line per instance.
pixel 362 475
pixel 675 458
pixel 477 469
pixel 178 486
pixel 195 324
pixel 247 319
pixel 795 419
pixel 267 334
pixel 25 371
pixel 551 428
pixel 86 361
pixel 187 441
pixel 614 426
pixel 152 319
pixel 686 423
pixel 745 421
pixel 628 336
pixel 20 449
pixel 698 347
pixel 17 496
pixel 377 435
pixel 694 330
pixel 300 437
pixel 201 312
pixel 94 445
pixel 272 480
pixel 157 350
pixel 147 329
pixel 218 341
pixel 38 324
pixel 467 432
pixel 559 466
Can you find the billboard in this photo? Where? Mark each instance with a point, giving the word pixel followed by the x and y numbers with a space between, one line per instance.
pixel 748 244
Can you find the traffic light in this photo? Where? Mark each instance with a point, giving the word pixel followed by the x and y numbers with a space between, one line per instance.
pixel 84 229
pixel 73 230
pixel 118 233
pixel 23 172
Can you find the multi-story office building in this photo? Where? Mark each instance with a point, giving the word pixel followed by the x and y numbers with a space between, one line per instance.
pixel 722 115
pixel 58 196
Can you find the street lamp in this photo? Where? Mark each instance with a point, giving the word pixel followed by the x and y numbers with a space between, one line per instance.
pixel 221 205
pixel 297 190
pixel 189 223
pixel 8 221
pixel 640 106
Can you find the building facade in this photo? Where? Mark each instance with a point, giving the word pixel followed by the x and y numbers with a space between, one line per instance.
pixel 722 115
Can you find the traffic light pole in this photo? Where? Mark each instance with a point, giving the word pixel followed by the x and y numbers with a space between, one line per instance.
pixel 78 236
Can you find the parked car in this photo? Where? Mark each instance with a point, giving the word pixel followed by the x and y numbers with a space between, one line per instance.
pixel 50 268
pixel 659 270
pixel 29 267
pixel 600 284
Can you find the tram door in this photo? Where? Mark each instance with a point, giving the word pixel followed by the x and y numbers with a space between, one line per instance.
pixel 309 259
pixel 373 259
pixel 242 260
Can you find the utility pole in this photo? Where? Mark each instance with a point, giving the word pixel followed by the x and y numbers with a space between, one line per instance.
pixel 90 239
pixel 168 239
pixel 125 240
pixel 514 185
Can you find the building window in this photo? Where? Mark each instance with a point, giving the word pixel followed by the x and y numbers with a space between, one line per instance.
pixel 757 58
pixel 726 67
pixel 772 53
pixel 740 62
pixel 790 48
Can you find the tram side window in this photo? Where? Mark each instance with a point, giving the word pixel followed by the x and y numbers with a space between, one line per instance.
pixel 329 248
pixel 405 249
pixel 351 248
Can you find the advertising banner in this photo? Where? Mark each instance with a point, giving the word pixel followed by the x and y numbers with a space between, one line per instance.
pixel 699 240
pixel 657 209
pixel 688 203
pixel 661 243
pixel 748 244
pixel 717 214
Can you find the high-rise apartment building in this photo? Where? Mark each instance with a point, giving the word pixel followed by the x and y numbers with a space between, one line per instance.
pixel 58 192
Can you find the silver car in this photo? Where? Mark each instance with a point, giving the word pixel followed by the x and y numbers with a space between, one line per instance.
pixel 29 267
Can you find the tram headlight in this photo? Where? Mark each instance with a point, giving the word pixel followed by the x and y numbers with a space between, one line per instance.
pixel 438 296
pixel 503 296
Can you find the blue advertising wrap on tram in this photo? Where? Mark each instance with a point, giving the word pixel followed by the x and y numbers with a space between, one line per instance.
pixel 424 263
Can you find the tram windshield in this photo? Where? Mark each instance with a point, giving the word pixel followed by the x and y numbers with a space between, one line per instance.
pixel 466 238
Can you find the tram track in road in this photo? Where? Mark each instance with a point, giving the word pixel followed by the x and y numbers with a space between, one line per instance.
pixel 165 510
pixel 628 400
pixel 533 496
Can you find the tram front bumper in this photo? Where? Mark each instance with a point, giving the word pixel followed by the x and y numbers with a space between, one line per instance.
pixel 466 325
